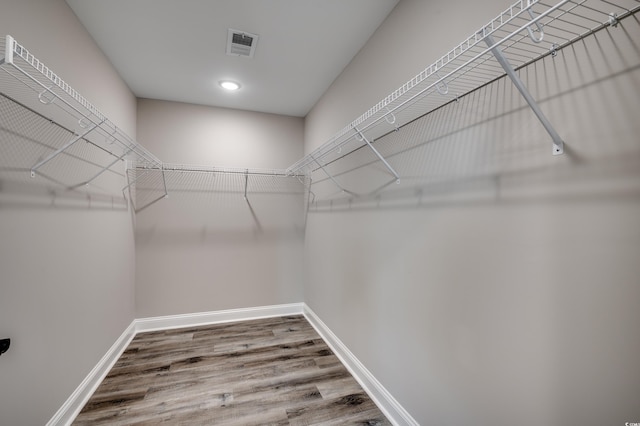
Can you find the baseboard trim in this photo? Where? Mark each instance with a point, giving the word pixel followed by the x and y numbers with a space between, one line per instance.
pixel 72 406
pixel 383 399
pixel 216 317
pixel 389 406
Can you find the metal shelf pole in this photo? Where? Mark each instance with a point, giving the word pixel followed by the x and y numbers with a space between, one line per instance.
pixel 164 183
pixel 393 172
pixel 328 174
pixel 558 144
pixel 246 183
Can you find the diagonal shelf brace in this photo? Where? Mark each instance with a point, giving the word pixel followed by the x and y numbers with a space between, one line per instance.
pixel 329 174
pixel 161 197
pixel 375 151
pixel 558 144
pixel 164 183
pixel 62 149
pixel 104 169
pixel 136 178
pixel 246 183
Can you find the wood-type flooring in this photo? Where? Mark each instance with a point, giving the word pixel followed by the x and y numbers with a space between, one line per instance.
pixel 274 371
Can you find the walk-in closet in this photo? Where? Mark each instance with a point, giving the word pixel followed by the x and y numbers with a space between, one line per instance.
pixel 408 212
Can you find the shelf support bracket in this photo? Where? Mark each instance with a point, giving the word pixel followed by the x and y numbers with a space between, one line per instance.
pixel 59 151
pixel 104 169
pixel 246 183
pixel 558 145
pixel 375 151
pixel 136 178
pixel 164 183
pixel 328 174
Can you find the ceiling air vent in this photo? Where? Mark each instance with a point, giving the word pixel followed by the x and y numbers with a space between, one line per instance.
pixel 241 43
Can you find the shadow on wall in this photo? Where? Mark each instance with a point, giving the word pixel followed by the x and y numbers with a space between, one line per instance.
pixel 488 147
pixel 21 195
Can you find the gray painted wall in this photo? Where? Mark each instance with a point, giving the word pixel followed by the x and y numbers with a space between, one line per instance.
pixel 498 284
pixel 67 270
pixel 195 134
pixel 205 247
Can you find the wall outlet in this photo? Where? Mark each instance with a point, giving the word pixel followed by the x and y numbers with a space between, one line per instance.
pixel 4 345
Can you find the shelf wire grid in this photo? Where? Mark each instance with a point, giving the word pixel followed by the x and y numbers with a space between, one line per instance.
pixel 50 97
pixel 471 65
pixel 472 147
pixel 27 137
pixel 224 185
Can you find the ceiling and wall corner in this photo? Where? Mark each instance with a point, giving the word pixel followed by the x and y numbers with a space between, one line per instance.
pixel 176 51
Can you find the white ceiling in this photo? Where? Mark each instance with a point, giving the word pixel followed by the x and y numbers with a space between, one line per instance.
pixel 175 49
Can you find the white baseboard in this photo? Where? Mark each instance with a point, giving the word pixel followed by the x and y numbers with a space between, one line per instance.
pixel 389 406
pixel 383 399
pixel 72 406
pixel 216 317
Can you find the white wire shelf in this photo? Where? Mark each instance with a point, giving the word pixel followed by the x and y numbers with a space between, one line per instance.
pixel 525 32
pixel 207 182
pixel 41 125
pixel 52 135
pixel 80 146
pixel 227 170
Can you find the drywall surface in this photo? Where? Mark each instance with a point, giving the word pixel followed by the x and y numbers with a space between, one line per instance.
pixel 497 284
pixel 194 134
pixel 66 266
pixel 206 247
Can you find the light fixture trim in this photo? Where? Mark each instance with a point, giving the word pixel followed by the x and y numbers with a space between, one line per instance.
pixel 229 85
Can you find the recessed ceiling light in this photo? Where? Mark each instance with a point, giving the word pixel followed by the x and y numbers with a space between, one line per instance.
pixel 229 85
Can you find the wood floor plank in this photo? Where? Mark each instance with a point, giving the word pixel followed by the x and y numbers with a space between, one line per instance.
pixel 275 371
pixel 339 388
